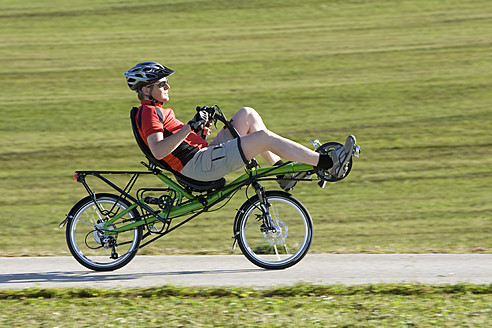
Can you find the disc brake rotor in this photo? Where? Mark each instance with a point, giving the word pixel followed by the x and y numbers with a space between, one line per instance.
pixel 277 234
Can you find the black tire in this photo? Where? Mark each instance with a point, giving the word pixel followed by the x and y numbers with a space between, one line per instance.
pixel 280 249
pixel 88 246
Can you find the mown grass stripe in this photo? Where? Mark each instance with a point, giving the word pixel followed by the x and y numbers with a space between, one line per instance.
pixel 298 290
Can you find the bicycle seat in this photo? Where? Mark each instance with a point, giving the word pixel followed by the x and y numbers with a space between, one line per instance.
pixel 192 184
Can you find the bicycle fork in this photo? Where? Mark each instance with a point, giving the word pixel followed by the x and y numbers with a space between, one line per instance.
pixel 267 225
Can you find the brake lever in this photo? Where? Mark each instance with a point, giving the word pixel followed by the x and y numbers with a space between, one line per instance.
pixel 215 114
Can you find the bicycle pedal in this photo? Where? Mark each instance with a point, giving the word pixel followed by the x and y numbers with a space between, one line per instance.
pixel 357 151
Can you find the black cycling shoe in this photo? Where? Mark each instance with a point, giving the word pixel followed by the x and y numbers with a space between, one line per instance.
pixel 341 157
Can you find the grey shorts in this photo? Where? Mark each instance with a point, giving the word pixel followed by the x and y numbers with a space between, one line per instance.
pixel 220 158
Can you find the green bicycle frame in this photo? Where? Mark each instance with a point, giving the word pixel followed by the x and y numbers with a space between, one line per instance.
pixel 201 203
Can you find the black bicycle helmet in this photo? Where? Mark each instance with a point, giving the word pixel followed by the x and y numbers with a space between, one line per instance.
pixel 146 73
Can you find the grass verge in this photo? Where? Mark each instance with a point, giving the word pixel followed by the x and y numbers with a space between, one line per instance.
pixel 381 305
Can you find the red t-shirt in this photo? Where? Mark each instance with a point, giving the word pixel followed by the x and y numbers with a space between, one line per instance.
pixel 150 123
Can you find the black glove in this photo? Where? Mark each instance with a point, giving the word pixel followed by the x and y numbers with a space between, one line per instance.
pixel 198 121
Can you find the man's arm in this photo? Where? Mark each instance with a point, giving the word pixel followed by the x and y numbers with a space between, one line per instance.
pixel 161 147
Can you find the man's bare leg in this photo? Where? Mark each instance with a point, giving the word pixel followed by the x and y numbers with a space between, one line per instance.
pixel 247 121
pixel 263 141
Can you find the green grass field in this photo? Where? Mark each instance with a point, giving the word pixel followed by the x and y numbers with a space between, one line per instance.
pixel 411 79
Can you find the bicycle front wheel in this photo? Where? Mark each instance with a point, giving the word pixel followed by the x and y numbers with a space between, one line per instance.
pixel 284 245
pixel 88 243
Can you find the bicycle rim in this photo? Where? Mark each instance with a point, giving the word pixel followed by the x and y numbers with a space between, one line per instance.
pixel 287 244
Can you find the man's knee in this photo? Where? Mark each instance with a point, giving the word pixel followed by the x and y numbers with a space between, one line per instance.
pixel 256 143
pixel 247 120
pixel 247 112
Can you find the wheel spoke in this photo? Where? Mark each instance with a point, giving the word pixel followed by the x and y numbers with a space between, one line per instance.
pixel 98 213
pixel 87 223
pixel 276 252
pixel 286 249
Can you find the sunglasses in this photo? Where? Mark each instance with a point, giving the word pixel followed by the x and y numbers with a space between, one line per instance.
pixel 161 84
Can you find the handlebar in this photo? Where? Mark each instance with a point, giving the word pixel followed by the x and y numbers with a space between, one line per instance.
pixel 214 113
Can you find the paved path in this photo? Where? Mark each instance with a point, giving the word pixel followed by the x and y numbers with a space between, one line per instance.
pixel 236 270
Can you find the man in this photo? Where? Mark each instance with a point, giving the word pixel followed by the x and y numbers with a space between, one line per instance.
pixel 183 148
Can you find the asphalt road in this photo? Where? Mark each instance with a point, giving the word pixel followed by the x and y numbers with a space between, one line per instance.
pixel 236 270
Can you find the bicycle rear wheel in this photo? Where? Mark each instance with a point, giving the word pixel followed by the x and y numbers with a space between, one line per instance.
pixel 86 240
pixel 282 247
